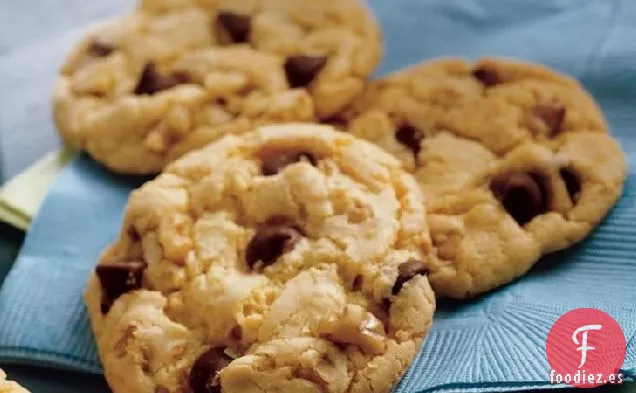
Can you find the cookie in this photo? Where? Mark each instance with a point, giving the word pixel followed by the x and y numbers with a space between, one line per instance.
pixel 287 259
pixel 330 47
pixel 140 91
pixel 10 386
pixel 514 160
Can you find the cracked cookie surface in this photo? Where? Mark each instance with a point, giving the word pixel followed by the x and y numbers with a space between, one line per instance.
pixel 174 75
pixel 9 386
pixel 514 161
pixel 288 259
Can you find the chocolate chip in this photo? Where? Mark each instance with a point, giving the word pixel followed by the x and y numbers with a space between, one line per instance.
pixel 552 115
pixel 357 283
pixel 237 26
pixel 487 76
pixel 410 137
pixel 236 333
pixel 151 81
pixel 204 374
pixel 274 163
pixel 386 305
pixel 523 195
pixel 301 70
pixel 406 272
pixel 572 183
pixel 271 241
pixel 134 235
pixel 100 49
pixel 118 279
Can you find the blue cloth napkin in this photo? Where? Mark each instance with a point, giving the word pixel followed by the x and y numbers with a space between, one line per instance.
pixel 496 343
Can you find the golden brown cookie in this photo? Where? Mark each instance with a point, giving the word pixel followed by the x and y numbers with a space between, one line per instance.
pixel 140 91
pixel 514 160
pixel 288 259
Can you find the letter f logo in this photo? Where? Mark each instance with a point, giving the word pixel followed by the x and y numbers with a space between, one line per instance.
pixel 584 347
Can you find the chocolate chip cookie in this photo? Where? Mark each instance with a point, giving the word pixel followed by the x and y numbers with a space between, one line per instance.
pixel 174 75
pixel 514 160
pixel 287 259
pixel 10 386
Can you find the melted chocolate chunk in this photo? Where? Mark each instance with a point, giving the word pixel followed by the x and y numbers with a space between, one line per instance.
pixel 487 76
pixel 117 279
pixel 273 239
pixel 237 26
pixel 410 137
pixel 406 272
pixel 204 372
pixel 151 81
pixel 523 195
pixel 302 70
pixel 572 183
pixel 552 115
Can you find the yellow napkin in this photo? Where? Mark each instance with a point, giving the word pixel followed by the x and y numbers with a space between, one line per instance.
pixel 21 197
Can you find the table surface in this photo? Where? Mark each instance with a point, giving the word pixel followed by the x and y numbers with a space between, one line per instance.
pixel 34 37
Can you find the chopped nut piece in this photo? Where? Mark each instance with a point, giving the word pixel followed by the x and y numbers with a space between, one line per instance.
pixel 355 326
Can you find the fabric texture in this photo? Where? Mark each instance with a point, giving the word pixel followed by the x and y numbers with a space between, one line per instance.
pixel 494 343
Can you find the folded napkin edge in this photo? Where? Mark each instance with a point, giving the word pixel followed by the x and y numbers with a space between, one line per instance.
pixel 26 356
pixel 18 210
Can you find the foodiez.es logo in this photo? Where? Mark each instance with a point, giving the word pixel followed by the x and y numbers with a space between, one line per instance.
pixel 586 348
